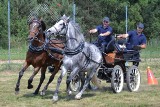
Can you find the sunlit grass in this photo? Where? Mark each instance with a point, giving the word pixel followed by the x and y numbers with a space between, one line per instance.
pixel 147 96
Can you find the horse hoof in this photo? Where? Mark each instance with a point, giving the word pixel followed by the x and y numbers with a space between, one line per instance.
pixel 78 97
pixel 55 98
pixel 69 92
pixel 30 86
pixel 35 93
pixel 16 92
pixel 42 93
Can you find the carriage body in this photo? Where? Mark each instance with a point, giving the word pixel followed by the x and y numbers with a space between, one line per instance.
pixel 115 71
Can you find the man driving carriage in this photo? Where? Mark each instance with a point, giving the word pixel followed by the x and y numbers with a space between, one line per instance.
pixel 104 33
pixel 136 40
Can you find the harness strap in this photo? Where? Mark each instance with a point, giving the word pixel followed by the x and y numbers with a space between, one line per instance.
pixel 75 51
pixel 36 49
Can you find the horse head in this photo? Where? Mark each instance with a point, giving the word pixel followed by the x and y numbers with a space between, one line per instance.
pixel 60 28
pixel 36 28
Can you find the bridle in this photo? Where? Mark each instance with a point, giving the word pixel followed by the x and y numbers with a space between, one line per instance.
pixel 32 48
pixel 68 51
pixel 65 26
pixel 30 39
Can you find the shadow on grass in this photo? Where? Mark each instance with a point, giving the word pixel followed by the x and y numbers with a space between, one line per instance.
pixel 62 95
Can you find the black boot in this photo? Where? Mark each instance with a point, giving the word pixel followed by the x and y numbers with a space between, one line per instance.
pixel 51 69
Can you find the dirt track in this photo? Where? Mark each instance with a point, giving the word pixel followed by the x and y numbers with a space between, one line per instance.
pixel 12 61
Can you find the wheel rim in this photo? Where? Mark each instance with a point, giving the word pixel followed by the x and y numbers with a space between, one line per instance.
pixel 134 79
pixel 118 79
pixel 75 85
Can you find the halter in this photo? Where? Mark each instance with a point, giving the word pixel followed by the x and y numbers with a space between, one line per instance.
pixel 64 27
pixel 68 51
pixel 32 48
pixel 35 33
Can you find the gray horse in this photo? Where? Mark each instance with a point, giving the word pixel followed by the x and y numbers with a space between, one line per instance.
pixel 79 56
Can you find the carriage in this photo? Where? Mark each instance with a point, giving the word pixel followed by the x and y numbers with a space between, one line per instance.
pixel 81 56
pixel 115 68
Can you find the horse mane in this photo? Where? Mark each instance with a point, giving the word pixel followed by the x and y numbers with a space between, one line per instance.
pixel 77 30
pixel 43 25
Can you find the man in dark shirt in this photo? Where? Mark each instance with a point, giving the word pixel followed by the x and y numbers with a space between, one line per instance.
pixel 104 33
pixel 136 39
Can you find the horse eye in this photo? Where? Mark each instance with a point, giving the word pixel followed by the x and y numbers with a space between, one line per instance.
pixel 61 24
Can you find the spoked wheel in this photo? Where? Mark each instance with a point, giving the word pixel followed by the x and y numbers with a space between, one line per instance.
pixel 75 84
pixel 133 78
pixel 117 79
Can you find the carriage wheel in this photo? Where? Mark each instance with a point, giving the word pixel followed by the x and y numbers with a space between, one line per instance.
pixel 75 84
pixel 133 78
pixel 117 79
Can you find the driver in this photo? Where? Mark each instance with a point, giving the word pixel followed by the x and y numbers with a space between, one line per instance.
pixel 104 34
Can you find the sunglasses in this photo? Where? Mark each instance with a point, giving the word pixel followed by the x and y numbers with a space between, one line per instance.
pixel 140 28
pixel 105 21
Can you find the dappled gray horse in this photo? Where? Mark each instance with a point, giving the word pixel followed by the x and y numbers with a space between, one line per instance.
pixel 79 56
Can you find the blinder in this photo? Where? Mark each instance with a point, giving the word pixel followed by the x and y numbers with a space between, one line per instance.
pixel 35 33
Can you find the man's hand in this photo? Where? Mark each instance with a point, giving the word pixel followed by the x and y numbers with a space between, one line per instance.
pixel 90 31
pixel 119 36
pixel 93 31
pixel 101 34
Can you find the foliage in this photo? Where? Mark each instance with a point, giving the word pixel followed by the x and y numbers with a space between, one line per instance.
pixel 3 23
pixel 89 13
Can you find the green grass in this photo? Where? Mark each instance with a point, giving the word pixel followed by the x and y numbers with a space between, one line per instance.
pixel 15 53
pixel 147 96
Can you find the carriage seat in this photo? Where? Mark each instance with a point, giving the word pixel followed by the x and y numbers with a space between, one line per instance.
pixel 129 55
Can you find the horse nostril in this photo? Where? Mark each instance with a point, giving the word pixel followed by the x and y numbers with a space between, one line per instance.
pixel 30 38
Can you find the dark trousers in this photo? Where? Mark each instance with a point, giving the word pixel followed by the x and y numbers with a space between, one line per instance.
pixel 101 45
pixel 136 63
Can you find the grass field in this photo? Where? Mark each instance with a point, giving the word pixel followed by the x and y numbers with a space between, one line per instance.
pixel 147 96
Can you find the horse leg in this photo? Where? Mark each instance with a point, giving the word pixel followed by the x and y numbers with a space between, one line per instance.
pixel 82 77
pixel 43 71
pixel 71 76
pixel 50 79
pixel 88 78
pixel 63 72
pixel 25 66
pixel 31 78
